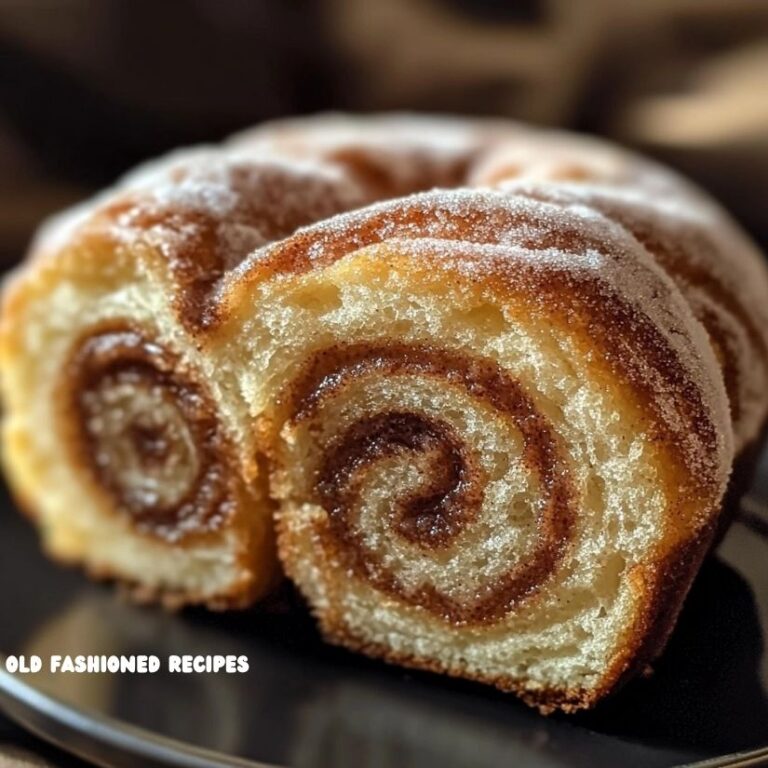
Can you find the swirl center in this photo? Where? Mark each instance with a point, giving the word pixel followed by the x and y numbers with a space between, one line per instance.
pixel 430 517
pixel 432 485
pixel 147 434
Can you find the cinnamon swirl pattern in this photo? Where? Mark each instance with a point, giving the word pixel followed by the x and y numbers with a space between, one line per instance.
pixel 497 436
pixel 150 437
pixel 486 429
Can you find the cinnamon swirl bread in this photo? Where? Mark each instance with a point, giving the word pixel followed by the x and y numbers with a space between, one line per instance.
pixel 498 436
pixel 492 421
pixel 118 438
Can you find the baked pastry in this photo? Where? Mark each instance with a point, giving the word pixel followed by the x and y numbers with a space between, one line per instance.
pixel 118 440
pixel 498 436
pixel 493 423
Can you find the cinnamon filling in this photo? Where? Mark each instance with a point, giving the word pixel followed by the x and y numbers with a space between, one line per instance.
pixel 435 515
pixel 431 518
pixel 632 345
pixel 147 434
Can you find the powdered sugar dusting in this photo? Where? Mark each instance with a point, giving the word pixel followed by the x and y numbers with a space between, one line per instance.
pixel 389 154
pixel 205 210
pixel 720 273
pixel 214 210
pixel 497 236
pixel 323 135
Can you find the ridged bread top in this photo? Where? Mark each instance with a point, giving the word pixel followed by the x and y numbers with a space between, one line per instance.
pixel 206 210
pixel 572 261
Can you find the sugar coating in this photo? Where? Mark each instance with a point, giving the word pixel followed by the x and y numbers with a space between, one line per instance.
pixel 297 164
pixel 505 229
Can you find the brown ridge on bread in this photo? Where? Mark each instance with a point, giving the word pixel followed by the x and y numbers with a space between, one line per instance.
pixel 410 218
pixel 727 355
pixel 375 174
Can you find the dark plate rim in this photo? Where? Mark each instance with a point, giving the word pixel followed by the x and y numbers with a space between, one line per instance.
pixel 111 743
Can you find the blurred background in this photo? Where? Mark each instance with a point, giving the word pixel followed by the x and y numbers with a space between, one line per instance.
pixel 89 87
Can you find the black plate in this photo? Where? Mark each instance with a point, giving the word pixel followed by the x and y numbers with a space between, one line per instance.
pixel 305 704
